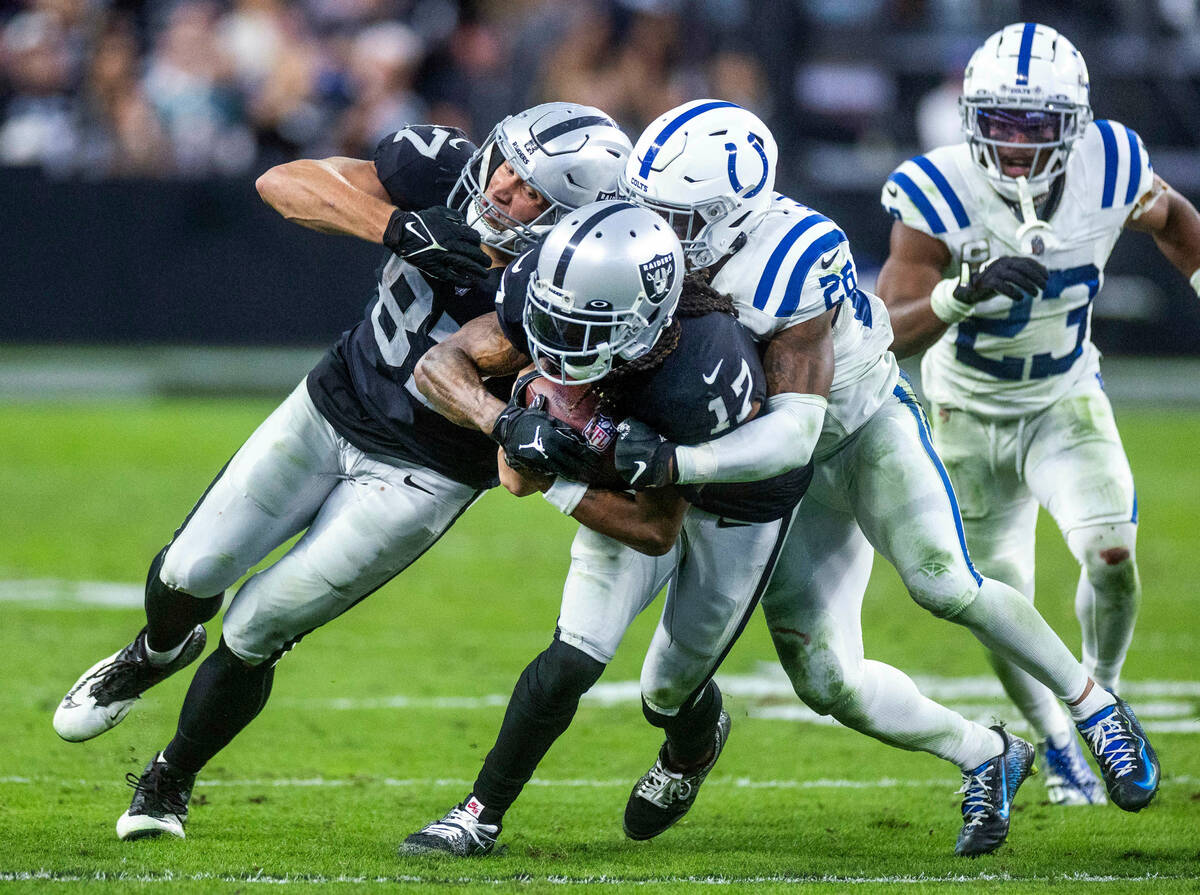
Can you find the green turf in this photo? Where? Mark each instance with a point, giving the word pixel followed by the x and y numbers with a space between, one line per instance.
pixel 90 492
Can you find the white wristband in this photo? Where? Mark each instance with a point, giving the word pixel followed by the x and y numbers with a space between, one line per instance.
pixel 564 495
pixel 945 306
pixel 1195 281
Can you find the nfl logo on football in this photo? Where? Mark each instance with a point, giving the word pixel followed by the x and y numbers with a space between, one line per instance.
pixel 599 432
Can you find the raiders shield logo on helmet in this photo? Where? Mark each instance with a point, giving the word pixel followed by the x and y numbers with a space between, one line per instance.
pixel 658 274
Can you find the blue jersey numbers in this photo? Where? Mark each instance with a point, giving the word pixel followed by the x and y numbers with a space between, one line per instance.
pixel 1041 365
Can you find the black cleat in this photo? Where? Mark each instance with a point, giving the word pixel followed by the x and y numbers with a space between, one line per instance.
pixel 1127 761
pixel 106 692
pixel 988 793
pixel 663 796
pixel 459 833
pixel 160 802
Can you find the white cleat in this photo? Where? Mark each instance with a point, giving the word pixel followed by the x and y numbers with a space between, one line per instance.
pixel 106 692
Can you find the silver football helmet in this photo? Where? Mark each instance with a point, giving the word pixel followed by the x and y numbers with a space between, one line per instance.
pixel 708 167
pixel 607 283
pixel 570 154
pixel 1024 105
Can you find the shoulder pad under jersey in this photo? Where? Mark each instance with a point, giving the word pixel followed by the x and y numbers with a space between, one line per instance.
pixel 929 192
pixel 1114 165
pixel 794 251
pixel 510 297
pixel 418 165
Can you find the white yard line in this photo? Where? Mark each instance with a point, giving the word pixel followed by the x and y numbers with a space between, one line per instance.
pixel 576 783
pixel 304 879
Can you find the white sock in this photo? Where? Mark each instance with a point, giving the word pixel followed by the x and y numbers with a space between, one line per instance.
pixel 1097 698
pixel 1106 599
pixel 1038 705
pixel 1006 623
pixel 889 707
pixel 165 658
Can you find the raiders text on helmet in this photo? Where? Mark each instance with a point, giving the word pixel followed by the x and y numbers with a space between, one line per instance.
pixel 570 154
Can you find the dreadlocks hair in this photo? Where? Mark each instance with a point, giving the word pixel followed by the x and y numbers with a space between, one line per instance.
pixel 697 299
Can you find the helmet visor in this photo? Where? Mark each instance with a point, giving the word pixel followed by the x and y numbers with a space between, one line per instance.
pixel 1032 127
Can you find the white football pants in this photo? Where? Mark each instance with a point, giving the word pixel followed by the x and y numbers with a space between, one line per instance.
pixel 716 572
pixel 884 487
pixel 366 519
pixel 1069 459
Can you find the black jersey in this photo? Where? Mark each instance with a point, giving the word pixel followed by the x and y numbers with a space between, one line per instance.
pixel 704 388
pixel 364 385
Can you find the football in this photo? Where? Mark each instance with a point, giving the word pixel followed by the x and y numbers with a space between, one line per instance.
pixel 581 408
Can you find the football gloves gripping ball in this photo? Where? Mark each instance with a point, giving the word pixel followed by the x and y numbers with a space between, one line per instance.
pixel 437 242
pixel 535 441
pixel 643 457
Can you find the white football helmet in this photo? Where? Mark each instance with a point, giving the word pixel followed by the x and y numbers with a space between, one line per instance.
pixel 607 283
pixel 1024 104
pixel 708 167
pixel 570 154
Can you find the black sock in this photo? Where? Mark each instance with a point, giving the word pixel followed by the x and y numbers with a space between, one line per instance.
pixel 690 732
pixel 226 694
pixel 541 708
pixel 171 614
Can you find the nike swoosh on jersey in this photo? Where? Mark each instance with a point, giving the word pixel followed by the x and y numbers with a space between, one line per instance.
pixel 412 483
pixel 641 467
pixel 712 377
pixel 832 257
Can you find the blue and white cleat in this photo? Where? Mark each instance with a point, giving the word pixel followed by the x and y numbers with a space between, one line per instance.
pixel 988 794
pixel 1069 778
pixel 1127 761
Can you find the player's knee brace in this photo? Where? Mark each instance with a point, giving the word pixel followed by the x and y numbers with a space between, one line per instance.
pixel 1107 554
pixel 560 675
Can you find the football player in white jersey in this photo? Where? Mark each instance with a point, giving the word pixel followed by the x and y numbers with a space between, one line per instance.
pixel 709 167
pixel 997 251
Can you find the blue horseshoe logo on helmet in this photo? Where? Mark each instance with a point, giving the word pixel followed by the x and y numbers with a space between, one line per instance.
pixel 756 141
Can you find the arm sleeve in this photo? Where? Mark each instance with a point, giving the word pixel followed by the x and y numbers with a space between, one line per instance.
pixel 780 440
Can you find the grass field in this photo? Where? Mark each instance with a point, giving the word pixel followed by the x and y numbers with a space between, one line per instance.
pixel 379 721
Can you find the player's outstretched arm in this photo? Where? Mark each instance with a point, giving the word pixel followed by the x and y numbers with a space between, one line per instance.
pixel 914 266
pixel 648 521
pixel 451 373
pixel 799 367
pixel 333 195
pixel 1175 225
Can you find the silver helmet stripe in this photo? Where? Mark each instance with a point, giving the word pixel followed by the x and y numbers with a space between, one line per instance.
pixel 560 271
pixel 571 124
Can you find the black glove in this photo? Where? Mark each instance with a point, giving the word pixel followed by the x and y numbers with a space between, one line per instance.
pixel 643 457
pixel 1011 276
pixel 438 242
pixel 534 440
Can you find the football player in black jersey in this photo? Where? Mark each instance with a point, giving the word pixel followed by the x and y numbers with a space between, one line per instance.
pixel 597 301
pixel 354 458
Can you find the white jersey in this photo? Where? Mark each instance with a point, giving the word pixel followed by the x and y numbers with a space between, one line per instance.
pixel 1011 358
pixel 795 266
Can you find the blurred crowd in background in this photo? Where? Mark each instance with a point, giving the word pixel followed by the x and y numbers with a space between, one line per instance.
pixel 119 88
